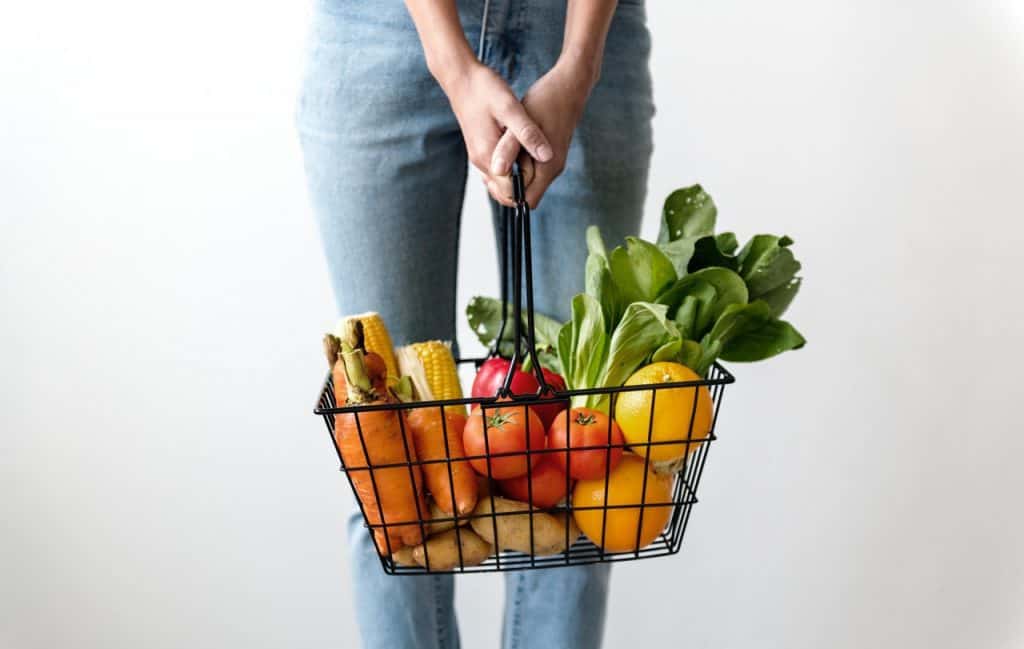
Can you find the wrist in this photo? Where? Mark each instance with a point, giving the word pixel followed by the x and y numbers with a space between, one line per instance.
pixel 449 65
pixel 582 66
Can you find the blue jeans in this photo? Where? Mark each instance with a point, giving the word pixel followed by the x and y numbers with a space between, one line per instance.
pixel 386 167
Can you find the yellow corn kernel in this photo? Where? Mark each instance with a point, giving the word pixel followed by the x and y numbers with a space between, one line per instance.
pixel 376 339
pixel 431 367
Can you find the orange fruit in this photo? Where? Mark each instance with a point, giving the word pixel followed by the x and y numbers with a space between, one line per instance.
pixel 674 410
pixel 625 486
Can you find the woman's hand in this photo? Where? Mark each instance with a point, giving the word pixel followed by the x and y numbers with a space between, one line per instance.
pixel 556 101
pixel 488 111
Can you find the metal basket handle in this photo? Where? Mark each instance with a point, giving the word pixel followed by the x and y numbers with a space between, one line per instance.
pixel 516 253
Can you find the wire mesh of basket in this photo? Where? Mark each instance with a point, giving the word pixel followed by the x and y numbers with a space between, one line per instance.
pixel 637 506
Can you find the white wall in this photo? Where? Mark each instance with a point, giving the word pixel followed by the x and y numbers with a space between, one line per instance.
pixel 165 485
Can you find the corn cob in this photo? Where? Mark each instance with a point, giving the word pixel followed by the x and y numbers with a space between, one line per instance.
pixel 431 367
pixel 376 338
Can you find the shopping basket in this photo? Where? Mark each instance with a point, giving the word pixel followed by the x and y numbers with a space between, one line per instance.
pixel 497 523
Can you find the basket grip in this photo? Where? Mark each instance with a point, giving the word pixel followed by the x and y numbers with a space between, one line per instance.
pixel 517 267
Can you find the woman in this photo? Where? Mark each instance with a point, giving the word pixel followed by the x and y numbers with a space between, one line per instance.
pixel 387 125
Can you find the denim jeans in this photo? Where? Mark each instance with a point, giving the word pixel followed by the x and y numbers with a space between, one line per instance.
pixel 386 168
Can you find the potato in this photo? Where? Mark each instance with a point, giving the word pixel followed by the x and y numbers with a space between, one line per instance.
pixel 514 530
pixel 443 550
pixel 404 557
pixel 434 529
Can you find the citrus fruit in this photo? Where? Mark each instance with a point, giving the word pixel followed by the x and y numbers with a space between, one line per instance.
pixel 625 487
pixel 676 416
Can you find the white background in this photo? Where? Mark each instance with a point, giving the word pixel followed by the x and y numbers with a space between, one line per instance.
pixel 164 484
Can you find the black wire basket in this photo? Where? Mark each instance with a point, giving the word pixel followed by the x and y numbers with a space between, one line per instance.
pixel 648 492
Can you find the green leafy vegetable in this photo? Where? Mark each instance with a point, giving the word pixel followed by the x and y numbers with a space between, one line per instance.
pixel 640 270
pixel 767 263
pixel 587 341
pixel 484 315
pixel 751 332
pixel 707 254
pixel 598 278
pixel 643 329
pixel 687 212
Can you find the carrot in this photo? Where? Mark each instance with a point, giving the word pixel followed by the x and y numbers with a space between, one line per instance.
pixel 370 439
pixel 428 431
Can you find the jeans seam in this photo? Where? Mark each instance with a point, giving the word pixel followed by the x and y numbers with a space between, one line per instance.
pixel 438 613
pixel 517 611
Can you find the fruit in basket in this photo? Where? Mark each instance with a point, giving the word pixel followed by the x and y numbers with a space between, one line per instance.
pixel 495 430
pixel 548 412
pixel 546 483
pixel 585 427
pixel 491 375
pixel 552 533
pixel 375 338
pixel 684 414
pixel 431 368
pixel 625 486
pixel 451 481
pixel 371 438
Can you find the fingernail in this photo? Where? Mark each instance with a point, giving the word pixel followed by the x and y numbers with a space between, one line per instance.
pixel 499 165
pixel 544 153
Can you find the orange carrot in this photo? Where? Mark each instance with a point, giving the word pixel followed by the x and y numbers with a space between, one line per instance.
pixel 370 439
pixel 428 431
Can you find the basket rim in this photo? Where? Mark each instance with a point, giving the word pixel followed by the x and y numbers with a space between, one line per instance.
pixel 724 377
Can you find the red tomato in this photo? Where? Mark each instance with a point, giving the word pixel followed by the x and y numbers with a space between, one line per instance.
pixel 549 485
pixel 509 429
pixel 547 413
pixel 587 427
pixel 492 373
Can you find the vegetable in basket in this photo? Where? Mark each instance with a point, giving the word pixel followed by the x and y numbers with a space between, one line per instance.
pixel 545 485
pixel 496 439
pixel 388 495
pixel 431 369
pixel 491 375
pixel 582 428
pixel 689 298
pixel 376 338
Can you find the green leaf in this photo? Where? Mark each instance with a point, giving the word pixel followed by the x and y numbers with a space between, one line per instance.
pixel 779 298
pixel 766 263
pixel 770 338
pixel 484 315
pixel 595 243
pixel 686 315
pixel 565 351
pixel 600 286
pixel 643 329
pixel 545 331
pixel 669 351
pixel 640 270
pixel 687 212
pixel 727 242
pixel 714 288
pixel 750 332
pixel 679 253
pixel 706 254
pixel 588 342
pixel 691 354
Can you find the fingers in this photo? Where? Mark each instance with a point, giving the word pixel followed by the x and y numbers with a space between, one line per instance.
pixel 500 194
pixel 505 152
pixel 499 180
pixel 512 114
